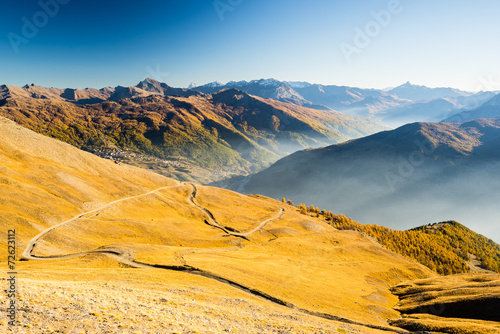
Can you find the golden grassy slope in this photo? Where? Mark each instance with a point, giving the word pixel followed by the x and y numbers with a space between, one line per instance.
pixel 89 299
pixel 44 181
pixel 294 260
pixel 458 304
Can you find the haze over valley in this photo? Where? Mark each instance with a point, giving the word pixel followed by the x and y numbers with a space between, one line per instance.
pixel 421 172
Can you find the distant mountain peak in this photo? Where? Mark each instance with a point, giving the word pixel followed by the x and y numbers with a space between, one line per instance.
pixel 414 92
pixel 229 94
pixel 298 84
pixel 151 85
pixel 268 82
pixel 149 80
pixel 214 84
pixel 409 85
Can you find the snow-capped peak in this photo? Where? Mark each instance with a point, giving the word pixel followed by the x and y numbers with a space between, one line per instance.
pixel 298 84
pixel 192 85
pixel 268 82
pixel 237 83
pixel 214 84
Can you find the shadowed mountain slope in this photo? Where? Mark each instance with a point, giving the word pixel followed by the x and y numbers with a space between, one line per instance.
pixel 418 173
pixel 490 109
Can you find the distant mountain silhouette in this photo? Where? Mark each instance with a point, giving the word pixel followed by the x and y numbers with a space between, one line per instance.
pixel 490 109
pixel 422 93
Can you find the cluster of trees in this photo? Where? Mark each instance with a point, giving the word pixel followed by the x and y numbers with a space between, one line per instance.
pixel 444 247
pixel 466 242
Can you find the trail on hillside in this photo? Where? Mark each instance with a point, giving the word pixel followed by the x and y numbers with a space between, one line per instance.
pixel 125 257
pixel 211 219
pixel 31 244
pixel 229 230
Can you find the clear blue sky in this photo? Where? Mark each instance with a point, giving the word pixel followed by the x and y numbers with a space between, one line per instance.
pixel 99 43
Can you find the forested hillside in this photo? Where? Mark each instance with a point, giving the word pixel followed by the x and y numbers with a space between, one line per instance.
pixel 227 133
pixel 443 247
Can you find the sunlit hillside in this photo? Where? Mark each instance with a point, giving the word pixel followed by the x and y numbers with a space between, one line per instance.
pixel 72 210
pixel 460 304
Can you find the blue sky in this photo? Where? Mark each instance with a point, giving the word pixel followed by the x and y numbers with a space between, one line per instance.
pixel 99 43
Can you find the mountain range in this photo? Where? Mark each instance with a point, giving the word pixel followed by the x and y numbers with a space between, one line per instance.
pixel 212 132
pixel 422 93
pixel 179 132
pixel 406 103
pixel 147 87
pixel 489 109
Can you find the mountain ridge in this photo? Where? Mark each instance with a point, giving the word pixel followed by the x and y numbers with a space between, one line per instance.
pixel 423 93
pixel 228 132
pixel 385 107
pixel 489 109
pixel 403 104
pixel 449 169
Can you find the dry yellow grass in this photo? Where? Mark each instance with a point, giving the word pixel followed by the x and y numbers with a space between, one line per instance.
pixel 458 304
pixel 44 182
pixel 78 296
pixel 294 260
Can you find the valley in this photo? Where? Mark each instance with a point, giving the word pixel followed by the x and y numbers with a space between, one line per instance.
pixel 417 174
pixel 191 136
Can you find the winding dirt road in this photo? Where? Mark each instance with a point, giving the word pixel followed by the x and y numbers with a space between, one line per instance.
pixel 125 257
pixel 31 244
pixel 229 230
